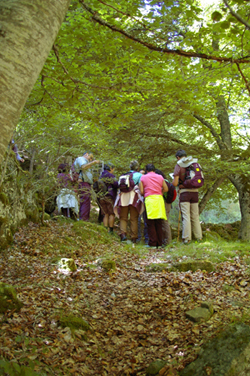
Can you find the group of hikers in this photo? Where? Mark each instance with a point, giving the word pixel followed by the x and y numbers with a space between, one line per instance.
pixel 134 195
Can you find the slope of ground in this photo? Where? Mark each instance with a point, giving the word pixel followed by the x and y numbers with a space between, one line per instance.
pixel 135 316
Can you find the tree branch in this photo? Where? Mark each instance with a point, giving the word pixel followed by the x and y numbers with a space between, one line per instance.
pixel 236 15
pixel 213 131
pixel 209 193
pixel 152 47
pixel 244 78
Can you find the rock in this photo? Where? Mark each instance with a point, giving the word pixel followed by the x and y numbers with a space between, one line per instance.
pixel 228 354
pixel 157 267
pixel 198 314
pixel 209 306
pixel 155 367
pixel 8 299
pixel 73 322
pixel 68 264
pixel 194 265
pixel 108 265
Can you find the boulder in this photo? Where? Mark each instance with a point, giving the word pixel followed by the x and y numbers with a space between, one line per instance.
pixel 8 299
pixel 228 354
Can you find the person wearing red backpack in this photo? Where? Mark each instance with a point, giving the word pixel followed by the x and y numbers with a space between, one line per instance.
pixel 188 195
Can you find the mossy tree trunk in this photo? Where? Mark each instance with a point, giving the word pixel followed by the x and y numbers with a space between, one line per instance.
pixel 224 142
pixel 242 184
pixel 28 30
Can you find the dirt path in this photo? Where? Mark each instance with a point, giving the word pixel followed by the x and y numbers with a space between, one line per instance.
pixel 135 317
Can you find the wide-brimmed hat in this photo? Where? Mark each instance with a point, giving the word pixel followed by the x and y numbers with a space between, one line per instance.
pixel 187 161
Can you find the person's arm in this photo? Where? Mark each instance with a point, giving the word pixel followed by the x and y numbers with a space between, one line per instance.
pixel 175 182
pixel 89 165
pixel 164 186
pixel 141 188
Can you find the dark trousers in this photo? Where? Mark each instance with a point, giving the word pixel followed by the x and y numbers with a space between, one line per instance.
pixel 85 198
pixel 155 232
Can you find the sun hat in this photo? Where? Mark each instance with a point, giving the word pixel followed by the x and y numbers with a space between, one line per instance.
pixel 187 161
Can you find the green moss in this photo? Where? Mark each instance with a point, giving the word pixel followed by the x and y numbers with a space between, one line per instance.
pixel 3 220
pixel 157 267
pixel 8 299
pixel 4 198
pixel 32 213
pixel 91 233
pixel 68 264
pixel 193 266
pixel 73 322
pixel 108 265
pixel 6 237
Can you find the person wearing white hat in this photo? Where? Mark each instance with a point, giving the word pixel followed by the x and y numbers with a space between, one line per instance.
pixel 188 199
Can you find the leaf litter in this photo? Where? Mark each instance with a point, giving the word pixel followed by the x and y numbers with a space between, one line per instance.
pixel 135 317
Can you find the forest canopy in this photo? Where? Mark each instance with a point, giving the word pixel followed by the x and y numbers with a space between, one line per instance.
pixel 142 79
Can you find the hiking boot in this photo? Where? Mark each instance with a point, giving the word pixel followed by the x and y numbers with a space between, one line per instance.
pixel 186 242
pixel 123 237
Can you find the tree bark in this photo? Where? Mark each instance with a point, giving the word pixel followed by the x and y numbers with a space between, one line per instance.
pixel 28 29
pixel 242 185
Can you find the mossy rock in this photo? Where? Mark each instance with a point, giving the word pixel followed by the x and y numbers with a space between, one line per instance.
pixel 4 198
pixel 68 264
pixel 157 267
pixel 193 266
pixel 8 299
pixel 155 367
pixel 212 236
pixel 108 265
pixel 73 322
pixel 6 237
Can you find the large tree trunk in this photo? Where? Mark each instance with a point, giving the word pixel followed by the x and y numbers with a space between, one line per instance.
pixel 242 185
pixel 28 29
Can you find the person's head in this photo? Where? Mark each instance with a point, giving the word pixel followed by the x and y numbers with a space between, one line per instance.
pixel 159 172
pixel 142 172
pixel 109 167
pixel 88 156
pixel 180 154
pixel 134 165
pixel 63 168
pixel 150 167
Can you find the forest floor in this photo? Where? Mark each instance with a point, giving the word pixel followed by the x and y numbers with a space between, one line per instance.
pixel 135 316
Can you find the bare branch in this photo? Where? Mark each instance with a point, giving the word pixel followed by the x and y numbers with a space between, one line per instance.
pixel 210 192
pixel 244 78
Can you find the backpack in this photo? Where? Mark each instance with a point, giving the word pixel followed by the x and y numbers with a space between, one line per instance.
pixel 171 195
pixel 100 187
pixel 126 182
pixel 194 177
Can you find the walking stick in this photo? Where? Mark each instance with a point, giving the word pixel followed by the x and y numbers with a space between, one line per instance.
pixel 178 231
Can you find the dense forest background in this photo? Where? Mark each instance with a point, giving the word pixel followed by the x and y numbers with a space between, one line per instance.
pixel 140 80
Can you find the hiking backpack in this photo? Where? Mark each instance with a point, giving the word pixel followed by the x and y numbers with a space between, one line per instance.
pixel 171 194
pixel 194 177
pixel 99 185
pixel 126 182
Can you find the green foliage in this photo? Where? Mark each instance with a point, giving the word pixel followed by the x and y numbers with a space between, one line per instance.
pixel 4 198
pixel 216 16
pixel 103 91
pixel 12 368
